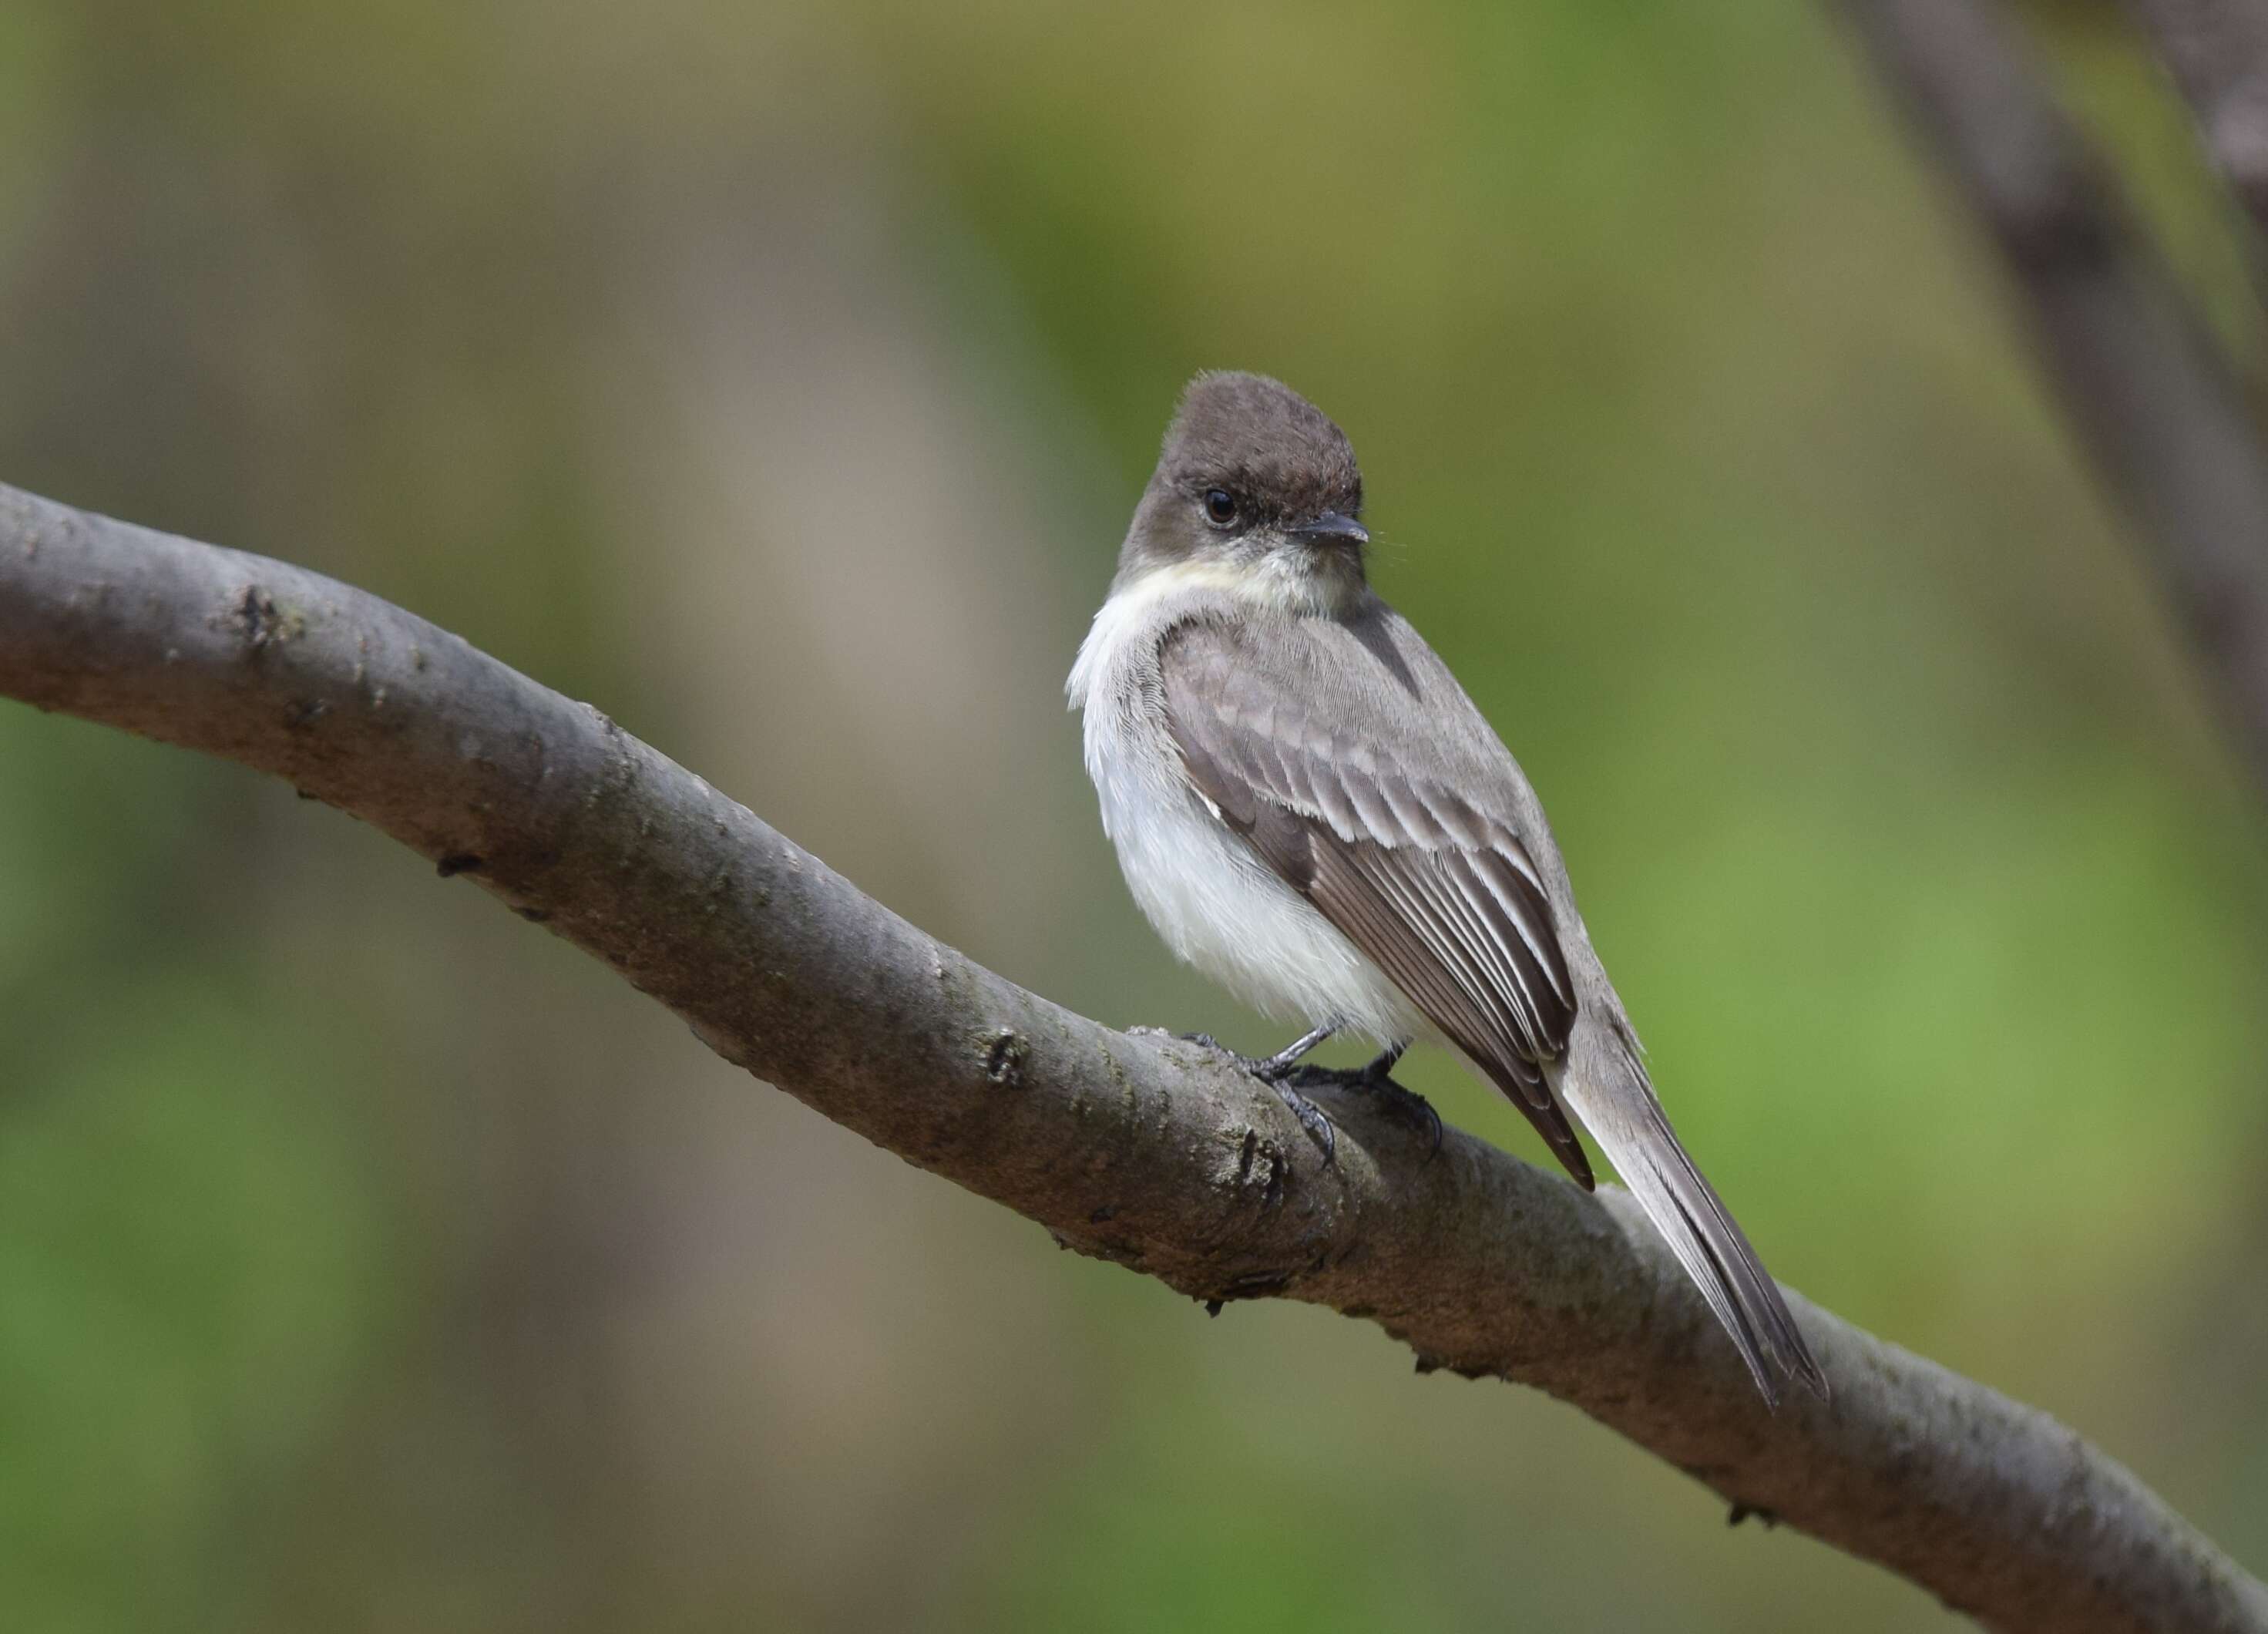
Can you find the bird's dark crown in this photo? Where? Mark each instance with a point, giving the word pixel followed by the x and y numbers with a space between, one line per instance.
pixel 1262 441
pixel 1254 479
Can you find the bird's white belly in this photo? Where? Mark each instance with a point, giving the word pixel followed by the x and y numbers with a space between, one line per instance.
pixel 1218 905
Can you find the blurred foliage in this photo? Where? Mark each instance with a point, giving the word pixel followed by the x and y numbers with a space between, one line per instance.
pixel 781 379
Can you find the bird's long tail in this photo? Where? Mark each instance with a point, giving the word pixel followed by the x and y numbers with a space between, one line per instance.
pixel 1617 1104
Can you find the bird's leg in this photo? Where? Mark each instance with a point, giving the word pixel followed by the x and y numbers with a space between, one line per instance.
pixel 1267 1069
pixel 1380 1070
pixel 1276 1068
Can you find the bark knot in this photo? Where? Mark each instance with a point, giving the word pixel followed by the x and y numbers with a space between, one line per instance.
pixel 1005 1058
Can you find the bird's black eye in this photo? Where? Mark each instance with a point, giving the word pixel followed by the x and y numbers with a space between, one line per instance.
pixel 1220 506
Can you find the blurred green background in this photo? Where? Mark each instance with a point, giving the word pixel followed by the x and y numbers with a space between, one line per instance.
pixel 781 379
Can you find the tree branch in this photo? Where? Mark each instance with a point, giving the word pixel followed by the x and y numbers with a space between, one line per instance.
pixel 1132 1148
pixel 2143 384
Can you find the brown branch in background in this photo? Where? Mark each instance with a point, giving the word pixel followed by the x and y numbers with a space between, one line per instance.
pixel 2151 396
pixel 1140 1150
pixel 2218 51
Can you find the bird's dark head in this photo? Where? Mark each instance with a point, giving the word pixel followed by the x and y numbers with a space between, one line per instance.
pixel 1257 486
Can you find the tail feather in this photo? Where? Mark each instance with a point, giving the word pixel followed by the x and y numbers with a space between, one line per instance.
pixel 1627 1121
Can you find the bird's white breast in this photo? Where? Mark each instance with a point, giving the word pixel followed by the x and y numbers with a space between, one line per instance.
pixel 1217 905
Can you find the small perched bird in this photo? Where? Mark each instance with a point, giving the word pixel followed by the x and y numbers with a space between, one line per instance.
pixel 1310 810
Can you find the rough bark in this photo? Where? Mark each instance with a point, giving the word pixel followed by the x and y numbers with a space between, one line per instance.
pixel 2149 394
pixel 1136 1149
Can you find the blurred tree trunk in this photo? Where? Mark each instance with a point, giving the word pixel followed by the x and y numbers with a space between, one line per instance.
pixel 2147 390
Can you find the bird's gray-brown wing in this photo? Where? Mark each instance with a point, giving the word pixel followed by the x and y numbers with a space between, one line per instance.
pixel 1322 770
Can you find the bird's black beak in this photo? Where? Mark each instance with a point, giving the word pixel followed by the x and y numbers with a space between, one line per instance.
pixel 1331 528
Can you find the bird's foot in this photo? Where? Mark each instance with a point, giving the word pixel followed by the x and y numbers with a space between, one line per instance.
pixel 1406 1106
pixel 1276 1070
pixel 1312 1118
pixel 1267 1069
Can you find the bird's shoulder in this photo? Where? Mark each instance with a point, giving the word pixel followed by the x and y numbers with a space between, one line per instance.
pixel 1287 697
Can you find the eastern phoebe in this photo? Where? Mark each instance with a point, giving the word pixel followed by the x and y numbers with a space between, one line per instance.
pixel 1310 810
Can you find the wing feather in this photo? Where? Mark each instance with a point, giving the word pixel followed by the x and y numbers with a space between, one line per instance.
pixel 1442 897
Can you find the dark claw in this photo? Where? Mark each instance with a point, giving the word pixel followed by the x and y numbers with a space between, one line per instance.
pixel 1311 1119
